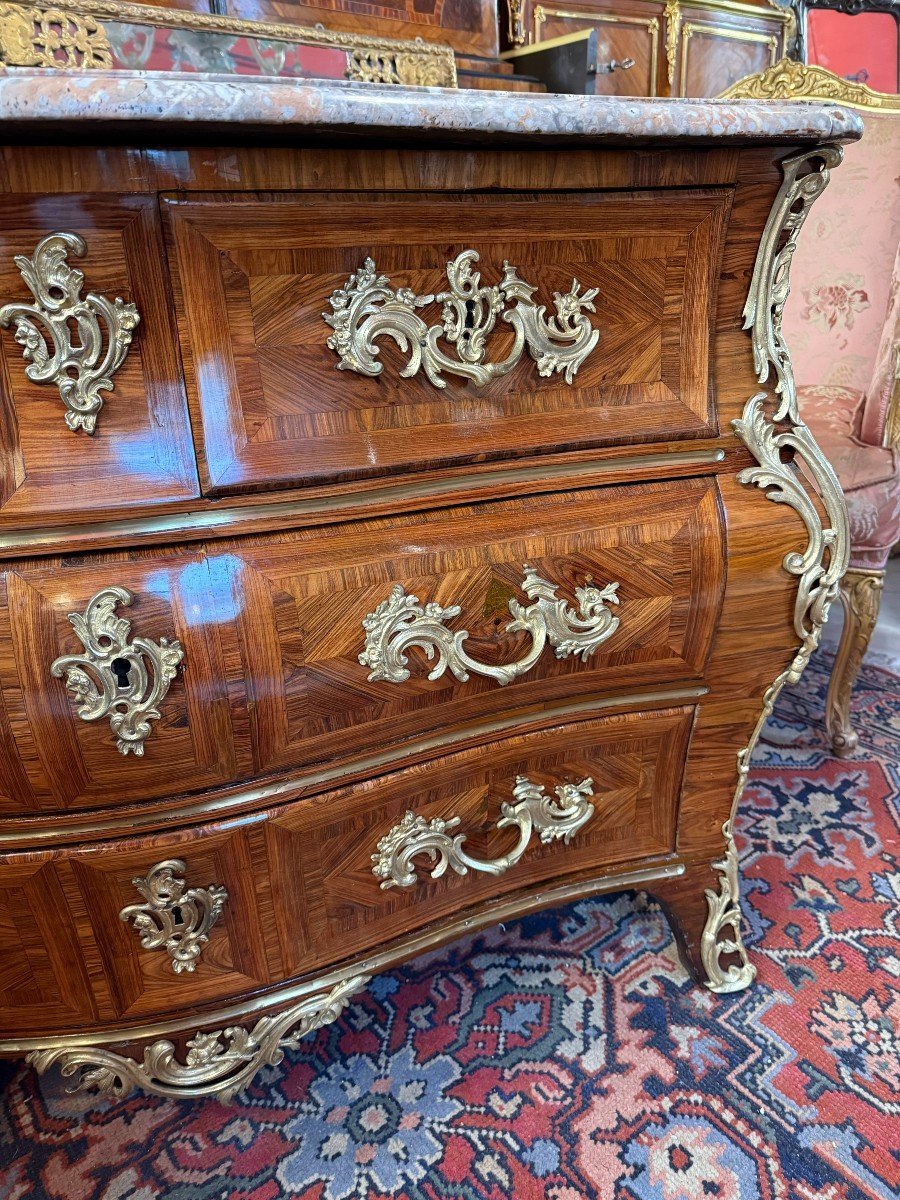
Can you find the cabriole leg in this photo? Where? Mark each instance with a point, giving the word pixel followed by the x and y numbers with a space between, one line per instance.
pixel 861 598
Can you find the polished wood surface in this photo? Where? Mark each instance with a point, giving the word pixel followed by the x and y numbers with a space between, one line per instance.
pixel 141 450
pixel 252 276
pixel 276 765
pixel 272 629
pixel 681 49
pixel 300 878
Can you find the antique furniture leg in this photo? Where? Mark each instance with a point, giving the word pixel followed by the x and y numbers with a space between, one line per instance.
pixel 703 907
pixel 861 598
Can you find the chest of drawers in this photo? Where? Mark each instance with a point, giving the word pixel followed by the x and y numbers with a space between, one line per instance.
pixel 385 539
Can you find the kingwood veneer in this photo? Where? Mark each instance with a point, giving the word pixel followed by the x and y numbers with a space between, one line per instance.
pixel 276 638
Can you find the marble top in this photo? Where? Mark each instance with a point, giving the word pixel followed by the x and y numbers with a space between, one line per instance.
pixel 118 100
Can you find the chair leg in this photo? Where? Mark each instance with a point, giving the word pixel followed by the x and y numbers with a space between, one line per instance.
pixel 861 598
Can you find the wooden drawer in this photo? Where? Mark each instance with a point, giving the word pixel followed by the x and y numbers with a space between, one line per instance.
pixel 622 35
pixel 49 757
pixel 273 628
pixel 254 276
pixel 302 893
pixel 140 451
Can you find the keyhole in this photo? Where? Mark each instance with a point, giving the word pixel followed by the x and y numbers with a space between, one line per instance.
pixel 176 914
pixel 469 322
pixel 121 668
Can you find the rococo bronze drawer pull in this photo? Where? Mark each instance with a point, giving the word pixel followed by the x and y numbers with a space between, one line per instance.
pixel 367 307
pixel 111 677
pixel 401 622
pixel 76 364
pixel 559 817
pixel 174 917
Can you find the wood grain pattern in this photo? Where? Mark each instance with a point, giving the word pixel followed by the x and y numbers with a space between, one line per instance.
pixel 272 629
pixel 713 47
pixel 272 707
pixel 300 881
pixel 141 450
pixel 254 277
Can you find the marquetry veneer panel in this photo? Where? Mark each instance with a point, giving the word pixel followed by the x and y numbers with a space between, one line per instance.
pixel 301 890
pixel 140 453
pixel 253 277
pixel 272 628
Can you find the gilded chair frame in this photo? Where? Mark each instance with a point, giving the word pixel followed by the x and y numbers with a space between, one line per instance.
pixel 860 589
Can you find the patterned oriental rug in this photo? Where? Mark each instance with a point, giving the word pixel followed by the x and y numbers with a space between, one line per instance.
pixel 567 1056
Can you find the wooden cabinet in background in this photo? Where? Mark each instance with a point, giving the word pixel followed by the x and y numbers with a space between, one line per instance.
pixel 648 48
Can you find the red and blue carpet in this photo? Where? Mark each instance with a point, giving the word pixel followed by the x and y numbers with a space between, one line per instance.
pixel 567 1056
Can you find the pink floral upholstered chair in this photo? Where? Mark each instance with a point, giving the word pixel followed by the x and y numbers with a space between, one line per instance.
pixel 842 325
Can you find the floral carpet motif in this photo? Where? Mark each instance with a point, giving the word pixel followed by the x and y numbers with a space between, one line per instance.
pixel 567 1055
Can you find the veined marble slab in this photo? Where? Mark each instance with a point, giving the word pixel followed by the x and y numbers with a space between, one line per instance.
pixel 288 108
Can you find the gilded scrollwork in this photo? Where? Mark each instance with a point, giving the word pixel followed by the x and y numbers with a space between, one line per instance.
pixel 401 622
pixel 559 816
pixel 367 307
pixel 173 916
pixel 805 178
pixel 216 1064
pixel 61 334
pixel 787 456
pixel 790 80
pixel 32 36
pixel 112 677
pixel 673 28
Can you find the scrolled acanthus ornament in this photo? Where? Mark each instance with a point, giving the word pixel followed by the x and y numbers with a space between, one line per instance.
pixel 61 334
pixel 216 1064
pixel 174 917
pixel 777 438
pixel 554 817
pixel 112 677
pixel 367 307
pixel 401 622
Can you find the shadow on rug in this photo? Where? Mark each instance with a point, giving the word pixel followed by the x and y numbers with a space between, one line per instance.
pixel 566 1055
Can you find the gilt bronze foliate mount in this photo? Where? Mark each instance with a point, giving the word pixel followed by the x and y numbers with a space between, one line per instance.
pixel 367 308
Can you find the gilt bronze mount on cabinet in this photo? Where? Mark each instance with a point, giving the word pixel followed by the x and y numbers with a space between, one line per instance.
pixel 367 308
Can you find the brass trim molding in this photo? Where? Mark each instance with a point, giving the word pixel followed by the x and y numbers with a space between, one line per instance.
pixel 416 62
pixel 789 80
pixel 111 677
pixel 174 917
pixel 401 622
pixel 532 809
pixel 216 1064
pixel 85 1050
pixel 737 35
pixel 27 834
pixel 79 369
pixel 672 18
pixel 776 439
pixel 367 308
pixel 197 521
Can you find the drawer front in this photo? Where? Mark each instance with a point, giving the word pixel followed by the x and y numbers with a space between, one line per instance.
pixel 255 279
pixel 53 758
pixel 295 889
pixel 305 603
pixel 304 649
pixel 140 449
